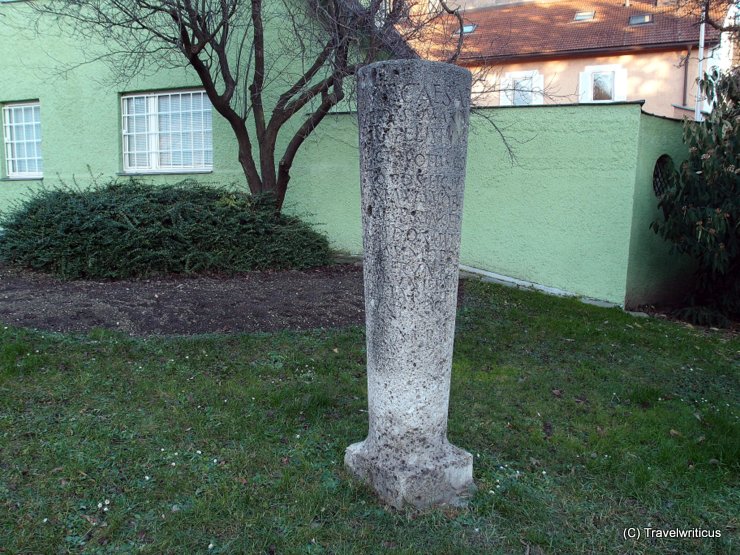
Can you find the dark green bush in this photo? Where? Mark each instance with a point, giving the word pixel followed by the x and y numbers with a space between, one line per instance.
pixel 132 229
pixel 702 205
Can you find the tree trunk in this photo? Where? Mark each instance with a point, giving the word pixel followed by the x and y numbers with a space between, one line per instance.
pixel 281 186
pixel 254 181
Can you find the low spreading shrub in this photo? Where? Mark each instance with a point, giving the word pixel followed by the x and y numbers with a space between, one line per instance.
pixel 132 229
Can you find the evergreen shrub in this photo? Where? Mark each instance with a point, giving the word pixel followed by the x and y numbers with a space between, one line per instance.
pixel 133 229
pixel 702 205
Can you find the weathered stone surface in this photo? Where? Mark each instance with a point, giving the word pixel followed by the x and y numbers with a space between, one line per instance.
pixel 413 140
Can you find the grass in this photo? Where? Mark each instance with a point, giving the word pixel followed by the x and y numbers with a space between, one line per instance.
pixel 583 421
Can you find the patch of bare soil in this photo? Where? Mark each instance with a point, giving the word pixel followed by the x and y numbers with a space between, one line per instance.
pixel 325 297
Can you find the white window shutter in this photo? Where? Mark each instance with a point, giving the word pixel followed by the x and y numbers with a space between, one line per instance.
pixel 620 84
pixel 506 94
pixel 585 94
pixel 538 88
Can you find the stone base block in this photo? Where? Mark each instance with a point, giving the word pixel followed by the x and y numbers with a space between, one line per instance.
pixel 441 477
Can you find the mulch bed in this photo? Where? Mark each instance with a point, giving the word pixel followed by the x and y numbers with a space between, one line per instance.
pixel 327 297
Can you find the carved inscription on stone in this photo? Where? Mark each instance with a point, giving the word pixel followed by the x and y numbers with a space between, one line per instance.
pixel 413 146
pixel 413 119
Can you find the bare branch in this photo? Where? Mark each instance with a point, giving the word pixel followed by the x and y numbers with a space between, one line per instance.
pixel 264 65
pixel 460 33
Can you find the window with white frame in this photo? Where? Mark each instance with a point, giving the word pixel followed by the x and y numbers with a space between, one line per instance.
pixel 605 83
pixel 522 88
pixel 167 132
pixel 22 140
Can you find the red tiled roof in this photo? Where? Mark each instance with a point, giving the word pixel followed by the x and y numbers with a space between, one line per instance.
pixel 547 28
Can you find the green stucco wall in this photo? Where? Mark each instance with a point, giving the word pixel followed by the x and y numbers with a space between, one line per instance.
pixel 559 215
pixel 79 98
pixel 80 109
pixel 654 275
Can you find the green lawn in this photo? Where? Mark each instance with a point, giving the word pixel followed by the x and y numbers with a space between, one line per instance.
pixel 583 421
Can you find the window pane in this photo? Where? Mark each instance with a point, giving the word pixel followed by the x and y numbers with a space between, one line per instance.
pixel 164 104
pixel 165 122
pixel 174 104
pixel 186 104
pixel 184 131
pixel 522 92
pixel 35 150
pixel 139 105
pixel 603 85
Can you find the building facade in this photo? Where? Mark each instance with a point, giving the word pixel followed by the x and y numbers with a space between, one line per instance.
pixel 583 51
pixel 571 214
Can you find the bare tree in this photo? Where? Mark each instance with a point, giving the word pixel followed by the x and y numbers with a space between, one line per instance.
pixel 721 15
pixel 273 69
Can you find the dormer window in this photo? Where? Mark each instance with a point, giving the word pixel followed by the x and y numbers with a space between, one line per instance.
pixel 466 29
pixel 641 19
pixel 584 16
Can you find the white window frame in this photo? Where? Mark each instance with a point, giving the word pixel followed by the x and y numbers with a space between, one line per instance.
pixel 509 83
pixel 586 88
pixel 153 132
pixel 10 141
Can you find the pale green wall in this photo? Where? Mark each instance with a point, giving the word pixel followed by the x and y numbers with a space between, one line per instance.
pixel 80 108
pixel 654 275
pixel 561 215
pixel 325 187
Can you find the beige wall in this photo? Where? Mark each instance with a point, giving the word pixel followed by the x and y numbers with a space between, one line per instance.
pixel 655 77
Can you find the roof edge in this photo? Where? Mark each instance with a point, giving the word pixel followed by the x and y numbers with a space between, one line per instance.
pixel 568 105
pixel 478 60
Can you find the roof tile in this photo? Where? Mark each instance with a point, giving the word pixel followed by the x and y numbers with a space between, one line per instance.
pixel 547 28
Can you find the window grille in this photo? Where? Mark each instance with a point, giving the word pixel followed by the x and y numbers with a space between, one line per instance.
pixel 663 175
pixel 22 138
pixel 167 132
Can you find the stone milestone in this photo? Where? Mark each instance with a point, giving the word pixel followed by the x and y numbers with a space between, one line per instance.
pixel 413 117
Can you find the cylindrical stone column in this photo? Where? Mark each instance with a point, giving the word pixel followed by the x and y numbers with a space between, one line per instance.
pixel 413 118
